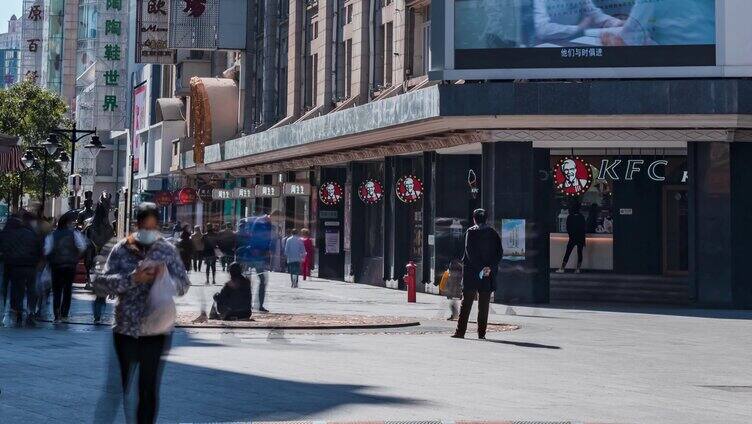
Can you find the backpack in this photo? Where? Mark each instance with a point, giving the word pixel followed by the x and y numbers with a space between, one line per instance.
pixel 64 249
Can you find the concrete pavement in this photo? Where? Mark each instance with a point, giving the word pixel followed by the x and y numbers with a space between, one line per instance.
pixel 620 365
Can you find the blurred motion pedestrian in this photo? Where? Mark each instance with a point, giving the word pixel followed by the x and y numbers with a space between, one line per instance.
pixel 226 240
pixel 63 249
pixel 197 238
pixel 295 253
pixel 235 299
pixel 138 266
pixel 22 251
pixel 185 247
pixel 307 265
pixel 210 253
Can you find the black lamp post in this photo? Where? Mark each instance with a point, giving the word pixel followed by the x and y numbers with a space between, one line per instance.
pixel 48 150
pixel 75 135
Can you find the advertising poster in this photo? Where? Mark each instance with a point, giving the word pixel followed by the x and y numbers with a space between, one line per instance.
pixel 139 122
pixel 331 241
pixel 503 34
pixel 513 239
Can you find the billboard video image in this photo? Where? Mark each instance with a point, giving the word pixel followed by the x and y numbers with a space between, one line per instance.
pixel 503 34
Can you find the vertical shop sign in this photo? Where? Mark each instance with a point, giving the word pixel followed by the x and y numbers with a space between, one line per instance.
pixel 193 24
pixel 152 32
pixel 140 119
pixel 32 26
pixel 513 239
pixel 111 68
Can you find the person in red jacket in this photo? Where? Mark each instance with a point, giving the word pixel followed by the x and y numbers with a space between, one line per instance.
pixel 308 261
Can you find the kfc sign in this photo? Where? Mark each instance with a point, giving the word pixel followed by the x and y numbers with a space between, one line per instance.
pixel 618 169
pixel 331 193
pixel 371 191
pixel 572 176
pixel 409 189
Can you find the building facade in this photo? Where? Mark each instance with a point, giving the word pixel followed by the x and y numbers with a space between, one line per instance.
pixel 10 49
pixel 381 125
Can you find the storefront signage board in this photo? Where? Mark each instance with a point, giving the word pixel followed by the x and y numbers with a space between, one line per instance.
pixel 296 189
pixel 222 194
pixel 331 193
pixel 163 198
pixel 243 193
pixel 371 191
pixel 152 32
pixel 265 191
pixel 205 193
pixel 328 214
pixel 409 189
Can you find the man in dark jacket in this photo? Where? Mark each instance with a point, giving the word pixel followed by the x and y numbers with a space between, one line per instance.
pixel 22 252
pixel 226 239
pixel 480 264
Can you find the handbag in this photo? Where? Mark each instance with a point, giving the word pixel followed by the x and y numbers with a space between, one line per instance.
pixel 443 281
pixel 160 311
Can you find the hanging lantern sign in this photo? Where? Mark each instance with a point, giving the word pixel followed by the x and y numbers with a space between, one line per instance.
pixel 409 189
pixel 371 191
pixel 573 176
pixel 331 193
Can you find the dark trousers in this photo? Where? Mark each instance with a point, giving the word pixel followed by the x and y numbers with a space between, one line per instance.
pixel 226 261
pixel 62 289
pixel 22 284
pixel 484 300
pixel 146 352
pixel 570 245
pixel 4 291
pixel 211 265
pixel 100 304
pixel 197 261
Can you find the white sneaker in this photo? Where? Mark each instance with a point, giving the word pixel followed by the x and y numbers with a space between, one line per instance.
pixel 560 271
pixel 577 271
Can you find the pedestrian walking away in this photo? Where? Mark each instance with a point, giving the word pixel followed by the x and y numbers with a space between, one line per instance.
pixel 576 228
pixel 185 247
pixel 210 253
pixel 483 254
pixel 22 251
pixel 226 240
pixel 197 238
pixel 259 252
pixel 307 265
pixel 144 271
pixel 63 249
pixel 295 253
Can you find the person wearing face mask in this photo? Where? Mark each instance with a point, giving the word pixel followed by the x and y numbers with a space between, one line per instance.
pixel 63 248
pixel 131 269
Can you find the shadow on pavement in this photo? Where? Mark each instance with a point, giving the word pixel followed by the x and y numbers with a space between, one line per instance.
pixel 523 344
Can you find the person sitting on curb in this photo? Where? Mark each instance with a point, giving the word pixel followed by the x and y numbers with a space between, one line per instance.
pixel 234 300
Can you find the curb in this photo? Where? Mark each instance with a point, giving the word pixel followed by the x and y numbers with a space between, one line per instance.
pixel 265 327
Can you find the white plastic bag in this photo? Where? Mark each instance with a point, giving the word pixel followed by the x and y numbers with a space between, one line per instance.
pixel 44 280
pixel 160 313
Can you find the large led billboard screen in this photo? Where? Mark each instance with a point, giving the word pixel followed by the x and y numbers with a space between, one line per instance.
pixel 534 34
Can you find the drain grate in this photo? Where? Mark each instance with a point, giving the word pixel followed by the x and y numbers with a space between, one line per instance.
pixel 734 389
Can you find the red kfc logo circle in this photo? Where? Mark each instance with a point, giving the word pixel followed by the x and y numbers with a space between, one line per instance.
pixel 573 176
pixel 331 193
pixel 409 189
pixel 371 191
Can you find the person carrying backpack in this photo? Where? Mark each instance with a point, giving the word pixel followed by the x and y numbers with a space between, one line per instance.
pixel 63 249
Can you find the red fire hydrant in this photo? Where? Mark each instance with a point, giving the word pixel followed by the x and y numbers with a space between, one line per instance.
pixel 410 283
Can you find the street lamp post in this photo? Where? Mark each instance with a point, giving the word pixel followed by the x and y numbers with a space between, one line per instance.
pixel 94 146
pixel 47 151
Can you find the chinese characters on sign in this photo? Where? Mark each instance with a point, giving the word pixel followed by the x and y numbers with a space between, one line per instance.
pixel 582 52
pixel 296 189
pixel 194 8
pixel 111 67
pixel 266 191
pixel 152 32
pixel 32 25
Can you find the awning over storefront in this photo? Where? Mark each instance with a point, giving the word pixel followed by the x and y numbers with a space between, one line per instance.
pixel 10 154
pixel 501 111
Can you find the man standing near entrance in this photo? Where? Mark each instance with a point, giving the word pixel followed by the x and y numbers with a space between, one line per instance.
pixel 483 254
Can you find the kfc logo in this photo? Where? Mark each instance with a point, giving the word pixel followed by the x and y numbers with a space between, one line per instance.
pixel 409 189
pixel 331 193
pixel 573 176
pixel 371 191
